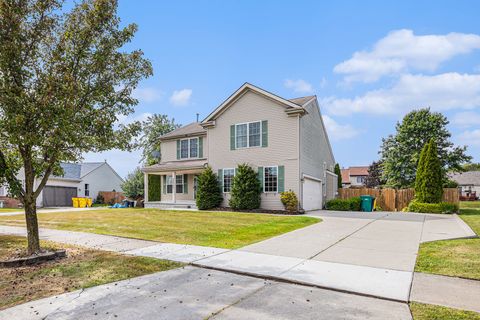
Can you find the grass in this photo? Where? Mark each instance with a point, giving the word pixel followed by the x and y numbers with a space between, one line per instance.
pixel 82 268
pixel 422 311
pixel 10 209
pixel 215 229
pixel 459 258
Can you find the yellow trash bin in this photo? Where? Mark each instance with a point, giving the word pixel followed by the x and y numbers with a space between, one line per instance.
pixel 89 202
pixel 75 202
pixel 82 202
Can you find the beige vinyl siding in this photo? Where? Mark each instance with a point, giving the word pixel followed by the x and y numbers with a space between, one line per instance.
pixel 331 186
pixel 169 150
pixel 282 142
pixel 315 149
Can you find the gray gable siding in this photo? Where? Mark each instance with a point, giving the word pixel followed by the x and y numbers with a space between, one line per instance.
pixel 315 147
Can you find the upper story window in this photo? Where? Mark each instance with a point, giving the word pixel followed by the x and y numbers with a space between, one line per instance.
pixel 189 148
pixel 248 135
pixel 270 179
pixel 360 179
pixel 228 175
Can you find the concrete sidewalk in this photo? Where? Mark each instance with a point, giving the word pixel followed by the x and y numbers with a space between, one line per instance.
pixel 66 209
pixel 196 293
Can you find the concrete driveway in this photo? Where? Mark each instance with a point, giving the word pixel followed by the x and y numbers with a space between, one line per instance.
pixel 196 293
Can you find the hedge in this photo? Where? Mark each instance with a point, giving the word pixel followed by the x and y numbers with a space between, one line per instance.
pixel 154 193
pixel 442 207
pixel 351 204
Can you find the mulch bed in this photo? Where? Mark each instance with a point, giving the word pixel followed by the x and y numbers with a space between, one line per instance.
pixel 280 212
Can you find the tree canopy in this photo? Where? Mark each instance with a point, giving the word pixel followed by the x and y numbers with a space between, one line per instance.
pixel 152 128
pixel 134 185
pixel 65 78
pixel 374 178
pixel 400 152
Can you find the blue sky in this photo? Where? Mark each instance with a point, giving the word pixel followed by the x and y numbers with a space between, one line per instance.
pixel 368 62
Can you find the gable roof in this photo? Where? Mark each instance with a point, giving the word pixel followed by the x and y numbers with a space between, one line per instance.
pixel 76 171
pixel 288 104
pixel 352 172
pixel 193 128
pixel 467 178
pixel 301 101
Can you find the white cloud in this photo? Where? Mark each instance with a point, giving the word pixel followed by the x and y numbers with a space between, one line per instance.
pixel 440 92
pixel 466 119
pixel 323 83
pixel 148 94
pixel 402 51
pixel 299 85
pixel 181 97
pixel 471 137
pixel 338 131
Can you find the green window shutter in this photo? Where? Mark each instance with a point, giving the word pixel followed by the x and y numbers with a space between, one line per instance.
pixel 281 178
pixel 232 137
pixel 164 189
pixel 200 147
pixel 185 183
pixel 260 177
pixel 178 149
pixel 220 178
pixel 264 133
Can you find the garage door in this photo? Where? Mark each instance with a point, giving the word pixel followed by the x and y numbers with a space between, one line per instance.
pixel 58 196
pixel 312 194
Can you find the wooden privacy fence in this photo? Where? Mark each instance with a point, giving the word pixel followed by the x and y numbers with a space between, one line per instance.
pixel 393 199
pixel 112 197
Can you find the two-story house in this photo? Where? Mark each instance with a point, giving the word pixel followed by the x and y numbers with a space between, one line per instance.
pixel 284 140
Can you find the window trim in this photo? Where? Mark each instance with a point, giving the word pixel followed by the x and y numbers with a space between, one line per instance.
pixel 264 172
pixel 223 179
pixel 176 183
pixel 166 183
pixel 188 148
pixel 248 134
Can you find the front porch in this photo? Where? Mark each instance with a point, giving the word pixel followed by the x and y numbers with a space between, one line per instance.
pixel 172 185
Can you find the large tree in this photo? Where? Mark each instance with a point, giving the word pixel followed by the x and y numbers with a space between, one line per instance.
pixel 152 128
pixel 400 152
pixel 65 77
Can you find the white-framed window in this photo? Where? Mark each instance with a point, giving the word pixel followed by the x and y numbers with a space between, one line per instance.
pixel 270 179
pixel 193 148
pixel 169 183
pixel 248 135
pixel 179 183
pixel 228 175
pixel 360 179
pixel 189 148
pixel 87 190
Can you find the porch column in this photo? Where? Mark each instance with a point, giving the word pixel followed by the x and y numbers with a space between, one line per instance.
pixel 145 188
pixel 174 188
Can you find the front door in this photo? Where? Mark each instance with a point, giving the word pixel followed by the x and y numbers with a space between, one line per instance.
pixel 195 185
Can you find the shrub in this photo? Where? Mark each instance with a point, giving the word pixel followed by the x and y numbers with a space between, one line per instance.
pixel 428 181
pixel 154 192
pixel 100 199
pixel 133 187
pixel 209 194
pixel 352 204
pixel 289 200
pixel 442 207
pixel 246 189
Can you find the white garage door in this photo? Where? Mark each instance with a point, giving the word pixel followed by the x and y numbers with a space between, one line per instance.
pixel 312 194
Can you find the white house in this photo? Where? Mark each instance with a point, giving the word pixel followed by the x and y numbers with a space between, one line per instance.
pixel 85 179
pixel 284 140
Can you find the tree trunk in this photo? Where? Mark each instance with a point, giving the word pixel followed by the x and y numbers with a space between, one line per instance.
pixel 32 225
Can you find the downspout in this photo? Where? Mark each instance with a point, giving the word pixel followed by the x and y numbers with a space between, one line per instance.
pixel 300 183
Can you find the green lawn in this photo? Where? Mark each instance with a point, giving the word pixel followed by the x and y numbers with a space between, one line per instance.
pixel 10 209
pixel 82 268
pixel 460 258
pixel 422 311
pixel 216 229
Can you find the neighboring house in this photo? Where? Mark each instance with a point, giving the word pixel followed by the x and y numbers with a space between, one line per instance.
pixel 79 180
pixel 284 140
pixel 354 176
pixel 468 182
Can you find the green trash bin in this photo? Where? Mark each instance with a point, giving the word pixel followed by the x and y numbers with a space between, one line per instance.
pixel 367 203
